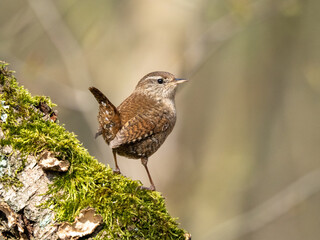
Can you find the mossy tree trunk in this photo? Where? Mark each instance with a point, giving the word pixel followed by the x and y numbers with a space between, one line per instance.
pixel 34 202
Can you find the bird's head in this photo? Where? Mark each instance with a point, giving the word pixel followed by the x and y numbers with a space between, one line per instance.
pixel 159 85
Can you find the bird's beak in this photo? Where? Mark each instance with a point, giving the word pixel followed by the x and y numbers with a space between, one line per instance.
pixel 180 80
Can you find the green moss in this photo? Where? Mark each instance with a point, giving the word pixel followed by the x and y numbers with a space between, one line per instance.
pixel 9 181
pixel 128 211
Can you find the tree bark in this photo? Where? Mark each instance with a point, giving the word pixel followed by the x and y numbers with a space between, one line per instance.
pixel 31 221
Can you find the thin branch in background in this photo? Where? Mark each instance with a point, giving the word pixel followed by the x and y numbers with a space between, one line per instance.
pixel 269 211
pixel 220 31
pixel 185 4
pixel 72 57
pixel 70 51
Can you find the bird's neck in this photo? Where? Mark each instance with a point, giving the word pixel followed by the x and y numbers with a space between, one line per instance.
pixel 167 101
pixel 170 104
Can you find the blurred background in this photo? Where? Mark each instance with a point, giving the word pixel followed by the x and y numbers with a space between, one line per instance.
pixel 243 160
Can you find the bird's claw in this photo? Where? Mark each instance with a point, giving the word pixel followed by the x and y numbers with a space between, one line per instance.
pixel 152 188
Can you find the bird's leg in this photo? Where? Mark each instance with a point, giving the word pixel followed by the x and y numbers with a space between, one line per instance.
pixel 144 162
pixel 117 170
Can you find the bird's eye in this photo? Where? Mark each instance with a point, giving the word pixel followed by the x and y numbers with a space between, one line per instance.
pixel 160 80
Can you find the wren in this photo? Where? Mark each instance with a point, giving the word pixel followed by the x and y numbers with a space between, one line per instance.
pixel 142 122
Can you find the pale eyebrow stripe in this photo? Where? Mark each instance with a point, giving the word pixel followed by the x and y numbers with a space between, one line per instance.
pixel 154 77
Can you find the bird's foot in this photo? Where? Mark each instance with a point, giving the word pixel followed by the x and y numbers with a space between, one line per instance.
pixel 152 188
pixel 117 171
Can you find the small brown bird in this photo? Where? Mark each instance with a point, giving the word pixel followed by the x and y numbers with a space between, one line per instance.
pixel 138 127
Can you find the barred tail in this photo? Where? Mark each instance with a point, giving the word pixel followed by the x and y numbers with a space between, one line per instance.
pixel 99 95
pixel 108 117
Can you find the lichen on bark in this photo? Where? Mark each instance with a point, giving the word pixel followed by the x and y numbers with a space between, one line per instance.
pixel 128 211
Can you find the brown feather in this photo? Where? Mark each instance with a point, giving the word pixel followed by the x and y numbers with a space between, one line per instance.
pixel 109 117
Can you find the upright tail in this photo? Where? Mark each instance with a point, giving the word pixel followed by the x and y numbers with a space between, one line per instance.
pixel 99 95
pixel 108 118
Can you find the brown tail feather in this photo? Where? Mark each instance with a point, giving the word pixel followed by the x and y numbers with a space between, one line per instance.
pixel 109 117
pixel 99 95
